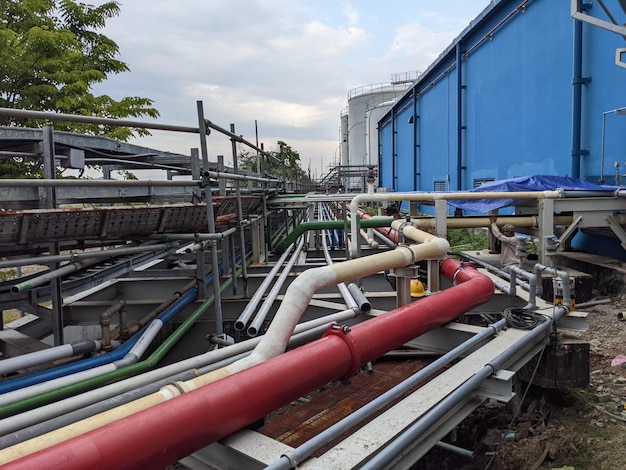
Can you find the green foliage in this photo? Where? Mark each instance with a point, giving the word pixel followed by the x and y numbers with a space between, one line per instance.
pixel 51 55
pixel 465 239
pixel 285 160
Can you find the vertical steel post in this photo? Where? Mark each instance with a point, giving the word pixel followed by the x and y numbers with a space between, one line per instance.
pixel 49 197
pixel 242 230
pixel 217 304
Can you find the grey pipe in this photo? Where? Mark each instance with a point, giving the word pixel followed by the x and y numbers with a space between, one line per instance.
pixel 300 454
pixel 92 254
pixel 259 318
pixel 364 305
pixel 54 384
pixel 194 236
pixel 248 311
pixel 142 344
pixel 343 290
pixel 567 298
pixel 66 419
pixel 75 348
pixel 532 291
pixel 389 453
pixel 455 449
pixel 50 275
pixel 68 405
pixel 23 113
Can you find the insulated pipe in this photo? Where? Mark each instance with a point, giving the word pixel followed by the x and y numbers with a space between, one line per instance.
pixel 301 453
pixel 301 290
pixel 381 197
pixel 76 348
pixel 15 435
pixel 259 318
pixel 22 420
pixel 140 440
pixel 253 304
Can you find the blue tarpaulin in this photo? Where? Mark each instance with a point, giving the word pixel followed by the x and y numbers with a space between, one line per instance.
pixel 522 184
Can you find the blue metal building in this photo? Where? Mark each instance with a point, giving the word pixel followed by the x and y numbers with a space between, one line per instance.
pixel 525 89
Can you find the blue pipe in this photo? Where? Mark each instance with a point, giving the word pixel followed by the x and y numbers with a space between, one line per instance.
pixel 577 82
pixel 459 119
pixel 82 365
pixel 96 361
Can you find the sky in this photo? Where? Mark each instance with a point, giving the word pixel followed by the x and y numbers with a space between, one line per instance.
pixel 286 64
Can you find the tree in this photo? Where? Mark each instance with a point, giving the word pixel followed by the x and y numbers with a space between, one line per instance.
pixel 285 158
pixel 51 55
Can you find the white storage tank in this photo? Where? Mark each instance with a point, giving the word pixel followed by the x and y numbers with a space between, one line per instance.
pixel 366 105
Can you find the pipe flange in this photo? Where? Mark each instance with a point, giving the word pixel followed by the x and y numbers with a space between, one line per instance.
pixel 342 332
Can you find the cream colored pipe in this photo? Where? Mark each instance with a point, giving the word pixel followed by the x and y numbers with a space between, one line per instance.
pixel 62 434
pixel 301 290
pixel 273 343
pixel 369 238
pixel 474 222
pixel 381 197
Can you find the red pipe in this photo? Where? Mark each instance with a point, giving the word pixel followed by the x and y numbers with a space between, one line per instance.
pixel 165 433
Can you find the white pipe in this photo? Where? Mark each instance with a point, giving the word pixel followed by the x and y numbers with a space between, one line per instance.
pixel 301 290
pixel 381 197
pixel 37 389
pixel 259 318
pixel 248 311
pixel 343 289
pixel 13 364
pixel 274 342
pixel 67 405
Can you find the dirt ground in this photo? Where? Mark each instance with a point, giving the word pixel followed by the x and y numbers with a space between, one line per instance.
pixel 576 429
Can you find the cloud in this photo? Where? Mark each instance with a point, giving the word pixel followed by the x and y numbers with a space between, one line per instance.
pixel 288 64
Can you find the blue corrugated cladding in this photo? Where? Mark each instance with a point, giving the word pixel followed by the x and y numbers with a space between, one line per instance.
pixel 515 104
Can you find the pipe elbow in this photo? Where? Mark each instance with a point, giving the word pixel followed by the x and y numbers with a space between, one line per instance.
pixel 443 245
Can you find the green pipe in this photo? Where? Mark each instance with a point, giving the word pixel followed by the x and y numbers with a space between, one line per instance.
pixel 328 224
pixel 113 376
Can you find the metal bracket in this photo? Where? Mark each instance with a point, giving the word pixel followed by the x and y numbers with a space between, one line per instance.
pixel 498 387
pixel 578 14
pixel 568 232
pixel 617 229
